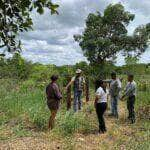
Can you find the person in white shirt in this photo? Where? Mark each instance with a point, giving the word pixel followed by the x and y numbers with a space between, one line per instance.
pixel 101 104
pixel 115 88
pixel 130 93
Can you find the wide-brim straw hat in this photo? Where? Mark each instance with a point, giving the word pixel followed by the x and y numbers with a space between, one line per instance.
pixel 78 71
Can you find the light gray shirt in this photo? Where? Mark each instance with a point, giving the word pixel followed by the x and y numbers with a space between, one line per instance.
pixel 115 87
pixel 130 89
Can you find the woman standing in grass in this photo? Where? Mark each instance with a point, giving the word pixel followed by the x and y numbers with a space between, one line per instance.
pixel 53 99
pixel 101 104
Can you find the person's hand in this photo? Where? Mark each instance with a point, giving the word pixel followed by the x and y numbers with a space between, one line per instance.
pixel 122 98
pixel 87 102
pixel 66 88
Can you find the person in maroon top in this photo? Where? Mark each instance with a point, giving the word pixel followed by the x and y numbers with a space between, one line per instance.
pixel 53 99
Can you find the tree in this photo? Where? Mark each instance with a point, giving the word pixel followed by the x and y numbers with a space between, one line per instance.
pixel 83 66
pixel 15 17
pixel 18 67
pixel 15 67
pixel 106 35
pixel 131 60
pixel 137 43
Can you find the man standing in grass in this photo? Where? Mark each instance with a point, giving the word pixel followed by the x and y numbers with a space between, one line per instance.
pixel 130 93
pixel 79 83
pixel 115 88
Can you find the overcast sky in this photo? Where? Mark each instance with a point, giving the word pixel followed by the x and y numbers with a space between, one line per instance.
pixel 52 39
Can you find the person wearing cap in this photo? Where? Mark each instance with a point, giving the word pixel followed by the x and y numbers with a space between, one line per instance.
pixel 114 91
pixel 79 83
pixel 130 93
pixel 54 96
pixel 101 103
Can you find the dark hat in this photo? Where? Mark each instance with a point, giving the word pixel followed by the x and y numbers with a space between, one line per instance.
pixel 54 77
pixel 113 73
pixel 130 75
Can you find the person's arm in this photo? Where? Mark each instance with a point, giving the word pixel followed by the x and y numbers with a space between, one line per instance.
pixel 96 100
pixel 70 83
pixel 107 81
pixel 119 85
pixel 123 93
pixel 57 92
pixel 97 97
pixel 128 90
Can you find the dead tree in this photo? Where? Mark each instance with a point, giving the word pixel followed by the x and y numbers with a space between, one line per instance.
pixel 68 99
pixel 87 89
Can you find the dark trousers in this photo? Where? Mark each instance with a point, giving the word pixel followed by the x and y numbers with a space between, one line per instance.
pixel 100 109
pixel 130 107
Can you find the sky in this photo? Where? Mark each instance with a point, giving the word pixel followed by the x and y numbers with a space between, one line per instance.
pixel 51 41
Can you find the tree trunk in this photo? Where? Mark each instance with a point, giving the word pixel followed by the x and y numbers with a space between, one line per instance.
pixel 68 94
pixel 102 73
pixel 87 90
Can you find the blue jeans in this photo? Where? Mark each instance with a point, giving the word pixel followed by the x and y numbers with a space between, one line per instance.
pixel 114 105
pixel 77 100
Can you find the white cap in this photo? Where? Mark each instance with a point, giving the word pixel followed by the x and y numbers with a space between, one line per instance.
pixel 78 71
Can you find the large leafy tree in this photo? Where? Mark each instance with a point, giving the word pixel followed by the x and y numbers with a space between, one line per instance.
pixel 131 60
pixel 106 34
pixel 15 17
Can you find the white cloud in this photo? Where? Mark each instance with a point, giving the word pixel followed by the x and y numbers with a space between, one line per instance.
pixel 52 39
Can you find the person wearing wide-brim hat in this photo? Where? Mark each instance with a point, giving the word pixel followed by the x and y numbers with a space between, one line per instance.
pixel 79 83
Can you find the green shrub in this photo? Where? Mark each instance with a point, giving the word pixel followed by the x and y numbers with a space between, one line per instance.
pixel 70 123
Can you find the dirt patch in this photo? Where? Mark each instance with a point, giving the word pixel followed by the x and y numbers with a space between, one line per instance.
pixel 31 143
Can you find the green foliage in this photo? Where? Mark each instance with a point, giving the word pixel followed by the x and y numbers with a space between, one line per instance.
pixel 83 66
pixel 15 17
pixel 19 99
pixel 23 112
pixel 105 35
pixel 15 67
pixel 140 40
pixel 70 123
pixel 129 60
pixel 136 69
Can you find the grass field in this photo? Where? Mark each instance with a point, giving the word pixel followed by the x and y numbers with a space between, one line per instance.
pixel 24 116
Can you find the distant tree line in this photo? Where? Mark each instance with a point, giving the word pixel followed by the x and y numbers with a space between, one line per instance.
pixel 18 68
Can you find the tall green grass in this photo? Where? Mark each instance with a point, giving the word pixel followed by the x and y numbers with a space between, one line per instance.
pixel 26 101
pixel 17 100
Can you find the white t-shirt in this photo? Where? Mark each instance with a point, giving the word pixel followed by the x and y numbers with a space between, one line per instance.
pixel 102 95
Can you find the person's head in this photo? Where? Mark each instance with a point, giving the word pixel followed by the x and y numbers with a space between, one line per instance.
pixel 130 77
pixel 113 75
pixel 78 72
pixel 101 83
pixel 54 78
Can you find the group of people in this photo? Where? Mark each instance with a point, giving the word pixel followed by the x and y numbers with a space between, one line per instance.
pixel 114 91
pixel 104 88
